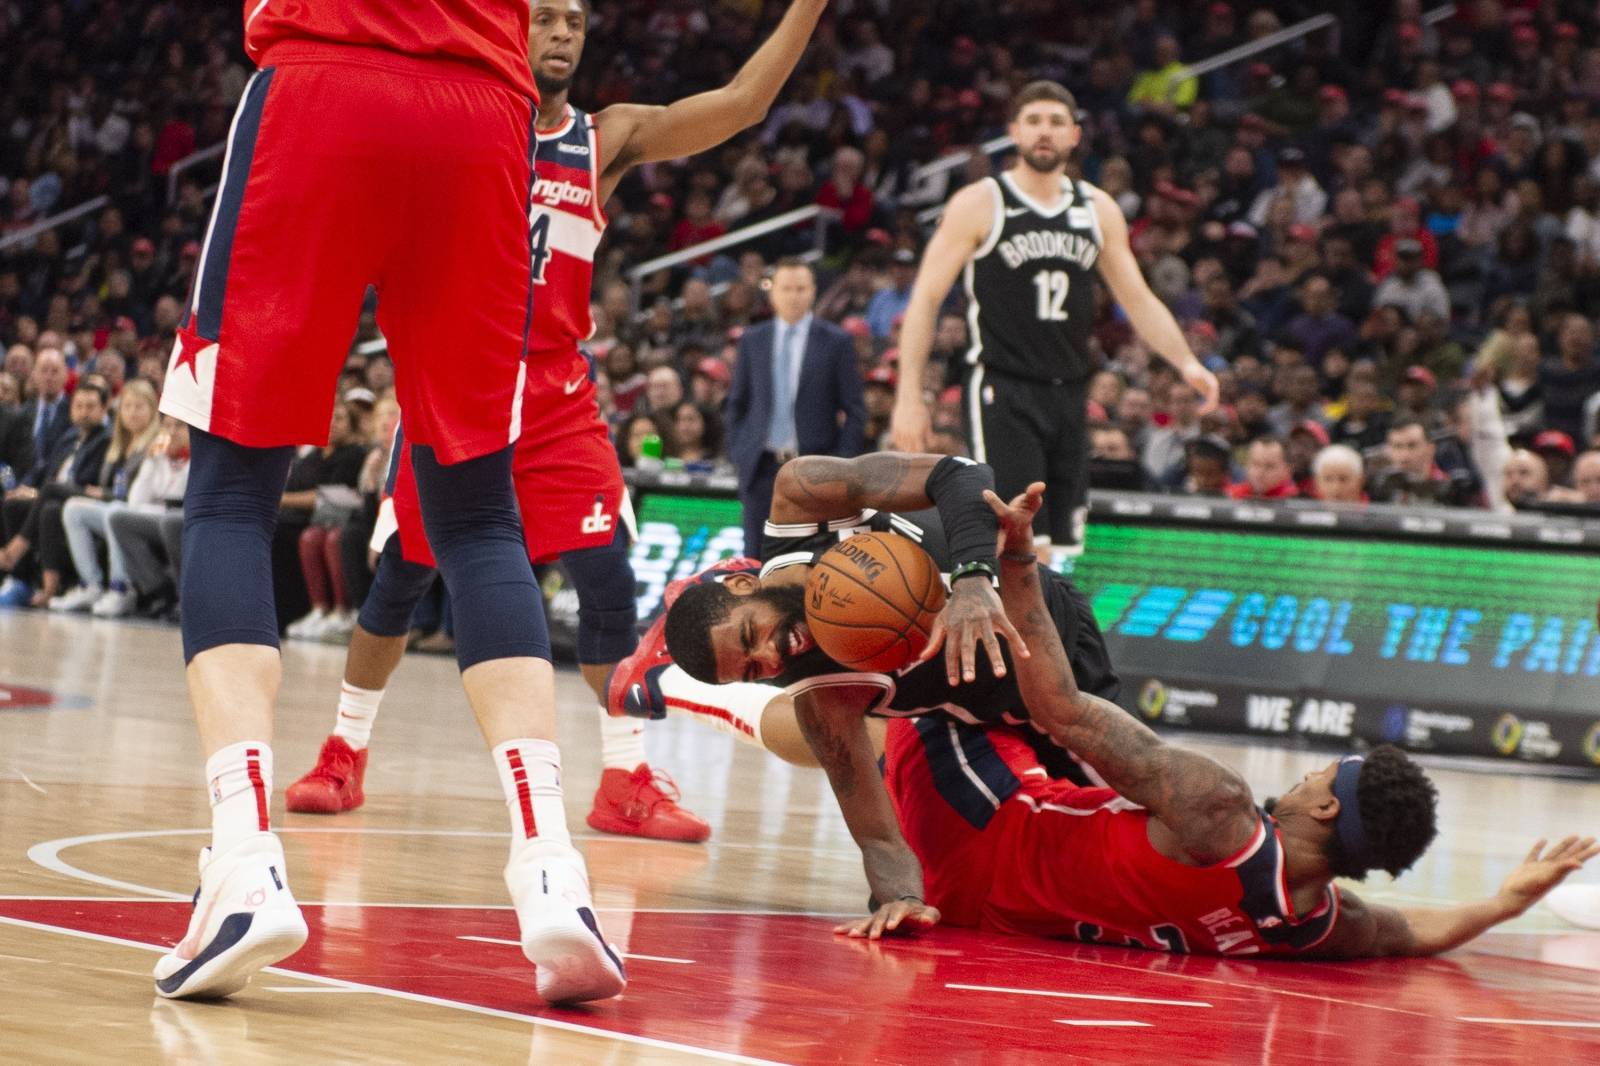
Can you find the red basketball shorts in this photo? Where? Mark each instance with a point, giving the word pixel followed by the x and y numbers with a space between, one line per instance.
pixel 568 481
pixel 350 167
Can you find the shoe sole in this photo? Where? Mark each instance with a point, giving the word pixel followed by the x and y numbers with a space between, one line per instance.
pixel 622 827
pixel 244 944
pixel 573 965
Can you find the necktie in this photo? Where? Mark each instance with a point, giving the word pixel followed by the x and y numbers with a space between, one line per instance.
pixel 782 435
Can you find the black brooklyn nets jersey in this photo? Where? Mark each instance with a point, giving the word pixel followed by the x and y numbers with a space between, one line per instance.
pixel 1030 287
pixel 923 688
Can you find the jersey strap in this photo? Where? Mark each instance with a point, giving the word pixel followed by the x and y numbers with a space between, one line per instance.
pixel 968 773
pixel 1266 898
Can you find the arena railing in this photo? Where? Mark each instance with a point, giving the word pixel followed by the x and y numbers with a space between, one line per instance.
pixel 28 233
pixel 918 179
pixel 193 159
pixel 817 215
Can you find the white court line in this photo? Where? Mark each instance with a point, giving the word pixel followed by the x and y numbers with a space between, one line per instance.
pixel 292 988
pixel 624 954
pixel 435 1001
pixel 48 853
pixel 1106 1023
pixel 32 897
pixel 1080 995
pixel 1532 1021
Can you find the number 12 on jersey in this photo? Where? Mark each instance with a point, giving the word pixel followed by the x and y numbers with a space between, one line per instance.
pixel 1053 286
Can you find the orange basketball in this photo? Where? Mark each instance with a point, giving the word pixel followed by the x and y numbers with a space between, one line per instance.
pixel 872 600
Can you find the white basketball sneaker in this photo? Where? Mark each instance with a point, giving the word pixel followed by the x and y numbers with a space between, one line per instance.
pixel 244 918
pixel 560 934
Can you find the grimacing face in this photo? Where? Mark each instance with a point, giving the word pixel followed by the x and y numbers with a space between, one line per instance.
pixel 763 634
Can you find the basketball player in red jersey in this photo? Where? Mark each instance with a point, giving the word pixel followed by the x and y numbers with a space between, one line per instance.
pixel 388 146
pixel 568 483
pixel 1175 855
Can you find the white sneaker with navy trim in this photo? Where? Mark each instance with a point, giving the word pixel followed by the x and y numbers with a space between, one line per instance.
pixel 560 933
pixel 244 918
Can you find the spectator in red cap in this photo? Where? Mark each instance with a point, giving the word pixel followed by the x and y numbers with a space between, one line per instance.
pixel 1558 452
pixel 1416 392
pixel 878 392
pixel 1266 473
pixel 1405 223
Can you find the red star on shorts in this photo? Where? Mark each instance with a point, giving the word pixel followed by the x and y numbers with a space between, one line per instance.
pixel 189 349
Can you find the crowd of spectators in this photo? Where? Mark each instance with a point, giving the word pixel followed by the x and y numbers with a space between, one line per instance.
pixel 1384 237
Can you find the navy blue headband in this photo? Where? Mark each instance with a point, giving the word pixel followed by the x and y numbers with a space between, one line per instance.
pixel 1352 834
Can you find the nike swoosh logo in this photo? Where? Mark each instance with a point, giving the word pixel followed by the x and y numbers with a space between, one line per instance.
pixel 1013 212
pixel 572 386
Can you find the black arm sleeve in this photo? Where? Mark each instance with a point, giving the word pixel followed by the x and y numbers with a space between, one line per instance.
pixel 956 489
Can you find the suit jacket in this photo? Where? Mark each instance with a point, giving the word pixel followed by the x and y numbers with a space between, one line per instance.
pixel 16 441
pixel 86 463
pixel 830 415
pixel 57 426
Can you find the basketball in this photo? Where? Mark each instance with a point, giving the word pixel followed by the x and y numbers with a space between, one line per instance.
pixel 871 601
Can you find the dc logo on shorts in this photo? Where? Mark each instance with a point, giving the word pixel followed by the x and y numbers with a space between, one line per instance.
pixel 597 521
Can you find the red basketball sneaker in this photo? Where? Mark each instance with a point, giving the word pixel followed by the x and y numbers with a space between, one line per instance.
pixel 334 784
pixel 643 804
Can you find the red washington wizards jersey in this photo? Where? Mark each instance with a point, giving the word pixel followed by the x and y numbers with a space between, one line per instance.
pixel 489 34
pixel 566 222
pixel 1106 883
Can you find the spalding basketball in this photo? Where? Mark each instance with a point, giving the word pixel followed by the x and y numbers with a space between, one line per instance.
pixel 871 601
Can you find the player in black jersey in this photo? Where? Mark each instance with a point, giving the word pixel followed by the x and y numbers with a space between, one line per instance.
pixel 1029 242
pixel 754 629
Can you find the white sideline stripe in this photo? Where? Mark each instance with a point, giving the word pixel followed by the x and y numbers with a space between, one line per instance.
pixel 1108 1023
pixel 831 915
pixel 1081 995
pixel 319 988
pixel 1531 1021
pixel 624 954
pixel 415 997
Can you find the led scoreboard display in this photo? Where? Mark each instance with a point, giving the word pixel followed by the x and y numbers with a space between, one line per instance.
pixel 1458 648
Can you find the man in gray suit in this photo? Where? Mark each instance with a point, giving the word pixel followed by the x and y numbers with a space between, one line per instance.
pixel 796 391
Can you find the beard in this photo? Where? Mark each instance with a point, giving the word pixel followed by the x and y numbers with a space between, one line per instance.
pixel 1044 160
pixel 549 86
pixel 789 602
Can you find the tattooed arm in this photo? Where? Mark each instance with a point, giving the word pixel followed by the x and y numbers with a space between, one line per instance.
pixel 834 725
pixel 816 488
pixel 1205 805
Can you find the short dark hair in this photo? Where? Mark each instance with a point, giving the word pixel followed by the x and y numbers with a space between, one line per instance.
pixel 1035 91
pixel 688 629
pixel 1407 422
pixel 1399 811
pixel 792 262
pixel 97 386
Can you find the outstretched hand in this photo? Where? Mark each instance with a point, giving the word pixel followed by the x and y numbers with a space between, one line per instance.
pixel 901 916
pixel 1016 517
pixel 973 613
pixel 1544 869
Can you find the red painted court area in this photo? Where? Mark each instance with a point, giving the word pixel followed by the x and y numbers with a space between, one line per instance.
pixel 783 989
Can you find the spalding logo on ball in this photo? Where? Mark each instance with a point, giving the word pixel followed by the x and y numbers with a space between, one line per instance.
pixel 871 601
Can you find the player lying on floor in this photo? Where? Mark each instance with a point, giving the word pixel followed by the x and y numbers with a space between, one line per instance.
pixel 746 628
pixel 1175 854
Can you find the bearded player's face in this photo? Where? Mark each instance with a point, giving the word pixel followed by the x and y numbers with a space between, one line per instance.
pixel 1046 133
pixel 555 42
pixel 763 634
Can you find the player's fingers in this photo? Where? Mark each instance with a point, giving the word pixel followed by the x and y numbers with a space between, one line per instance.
pixel 991 643
pixel 1533 855
pixel 952 655
pixel 969 649
pixel 996 504
pixel 1019 647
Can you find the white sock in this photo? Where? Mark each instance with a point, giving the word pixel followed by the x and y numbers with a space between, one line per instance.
pixel 621 742
pixel 240 780
pixel 357 709
pixel 530 775
pixel 735 708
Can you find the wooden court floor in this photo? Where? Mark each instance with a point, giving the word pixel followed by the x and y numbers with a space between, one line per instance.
pixel 413 960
